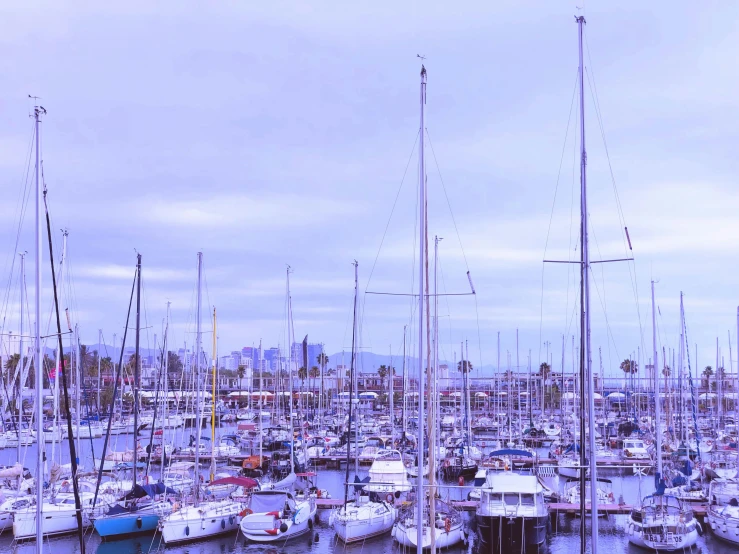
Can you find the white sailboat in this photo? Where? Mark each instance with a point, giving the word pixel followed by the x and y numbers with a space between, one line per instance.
pixel 202 519
pixel 367 516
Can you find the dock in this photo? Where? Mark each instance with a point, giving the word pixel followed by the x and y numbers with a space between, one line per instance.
pixel 556 508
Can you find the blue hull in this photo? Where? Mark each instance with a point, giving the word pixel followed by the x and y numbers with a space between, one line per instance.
pixel 125 525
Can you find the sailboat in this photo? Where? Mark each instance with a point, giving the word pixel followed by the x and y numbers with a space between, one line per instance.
pixel 274 513
pixel 662 522
pixel 202 518
pixel 428 522
pixel 368 515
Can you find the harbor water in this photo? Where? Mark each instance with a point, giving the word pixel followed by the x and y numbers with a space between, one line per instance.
pixel 563 537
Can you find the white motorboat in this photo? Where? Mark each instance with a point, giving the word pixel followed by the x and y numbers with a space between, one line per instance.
pixel 388 474
pixel 635 449
pixel 60 515
pixel 277 516
pixel 602 490
pixel 512 512
pixel 723 512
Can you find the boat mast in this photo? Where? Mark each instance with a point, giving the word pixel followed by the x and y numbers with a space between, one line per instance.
pixel 403 407
pixel 19 367
pixel 657 407
pixel 213 406
pixel 290 340
pixel 198 349
pixel 585 356
pixel 165 415
pixel 136 370
pixel 351 390
pixel 261 400
pixel 100 340
pixel 421 259
pixel 37 112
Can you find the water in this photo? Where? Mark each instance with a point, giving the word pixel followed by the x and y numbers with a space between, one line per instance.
pixel 563 537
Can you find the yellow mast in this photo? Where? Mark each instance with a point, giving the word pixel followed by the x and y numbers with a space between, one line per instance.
pixel 213 406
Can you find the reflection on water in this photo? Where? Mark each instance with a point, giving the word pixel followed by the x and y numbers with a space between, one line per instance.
pixel 563 539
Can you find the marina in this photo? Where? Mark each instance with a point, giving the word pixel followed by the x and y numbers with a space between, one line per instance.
pixel 475 394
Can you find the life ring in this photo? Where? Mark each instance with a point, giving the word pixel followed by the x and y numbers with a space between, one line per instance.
pixel 389 498
pixel 318 493
pixel 408 464
pixel 610 496
pixel 245 512
pixel 175 506
pixel 447 525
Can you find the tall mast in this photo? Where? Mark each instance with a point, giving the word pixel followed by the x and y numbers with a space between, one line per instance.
pixel 391 389
pixel 585 356
pixel 136 369
pixel 351 389
pixel 421 258
pixel 403 417
pixel 213 406
pixel 261 399
pixel 737 370
pixel 657 407
pixel 19 367
pixel 100 340
pixel 165 414
pixel 432 404
pixel 198 349
pixel 290 340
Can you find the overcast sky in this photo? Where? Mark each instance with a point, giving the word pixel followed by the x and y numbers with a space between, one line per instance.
pixel 274 133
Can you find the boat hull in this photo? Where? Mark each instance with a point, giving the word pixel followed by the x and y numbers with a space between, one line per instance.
pixel 125 525
pixel 501 533
pixel 408 536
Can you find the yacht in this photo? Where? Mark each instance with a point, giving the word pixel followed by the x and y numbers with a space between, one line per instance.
pixel 275 515
pixel 388 474
pixel 512 512
pixel 635 449
pixel 663 523
pixel 723 512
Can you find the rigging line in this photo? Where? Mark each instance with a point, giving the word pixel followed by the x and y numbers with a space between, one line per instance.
pixel 395 203
pixel 448 203
pixel 619 207
pixel 551 214
pixel 21 202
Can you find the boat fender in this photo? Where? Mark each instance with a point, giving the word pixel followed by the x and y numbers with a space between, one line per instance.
pixel 389 498
pixel 699 528
pixel 310 524
pixel 283 527
pixel 187 530
pixel 318 493
pixel 447 525
pixel 139 523
pixel 230 520
pixel 315 538
pixel 397 494
pixel 175 506
pixel 223 524
pixel 460 481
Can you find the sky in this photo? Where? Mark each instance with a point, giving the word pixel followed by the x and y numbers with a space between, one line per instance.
pixel 285 133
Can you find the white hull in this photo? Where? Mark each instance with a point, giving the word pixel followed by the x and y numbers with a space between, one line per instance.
pixel 269 527
pixel 57 522
pixel 408 536
pixel 206 520
pixel 724 526
pixel 358 523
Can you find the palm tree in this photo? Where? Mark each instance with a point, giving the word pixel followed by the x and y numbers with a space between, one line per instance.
pixel 721 374
pixel 322 360
pixel 382 371
pixel 464 366
pixel 313 374
pixel 629 367
pixel 240 372
pixel 707 372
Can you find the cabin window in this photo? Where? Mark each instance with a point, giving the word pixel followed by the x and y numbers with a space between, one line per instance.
pixel 495 497
pixel 510 499
pixel 527 500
